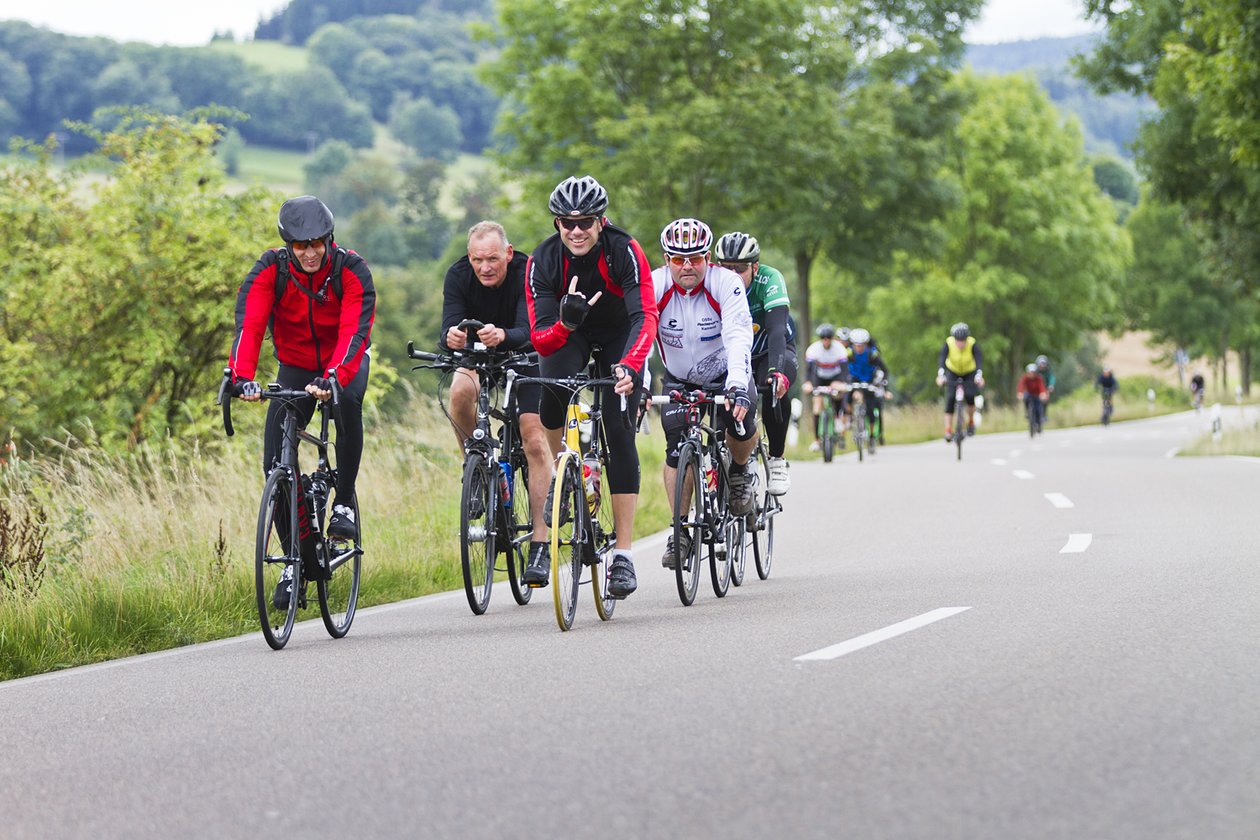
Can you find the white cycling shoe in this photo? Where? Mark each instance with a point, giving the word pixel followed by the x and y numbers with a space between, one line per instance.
pixel 778 482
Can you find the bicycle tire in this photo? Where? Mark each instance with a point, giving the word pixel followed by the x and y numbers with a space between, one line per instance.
pixel 763 525
pixel 859 429
pixel 960 428
pixel 519 523
pixel 739 561
pixel 272 555
pixel 477 552
pixel 720 547
pixel 566 538
pixel 688 520
pixel 829 432
pixel 339 593
pixel 601 534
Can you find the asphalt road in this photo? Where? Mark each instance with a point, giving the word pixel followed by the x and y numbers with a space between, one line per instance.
pixel 1055 638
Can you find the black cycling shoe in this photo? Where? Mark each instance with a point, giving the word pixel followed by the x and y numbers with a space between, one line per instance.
pixel 284 590
pixel 341 525
pixel 621 579
pixel 538 567
pixel 565 505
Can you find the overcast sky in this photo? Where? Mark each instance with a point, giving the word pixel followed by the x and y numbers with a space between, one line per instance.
pixel 190 24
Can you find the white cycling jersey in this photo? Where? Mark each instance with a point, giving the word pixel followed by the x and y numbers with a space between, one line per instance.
pixel 707 332
pixel 830 362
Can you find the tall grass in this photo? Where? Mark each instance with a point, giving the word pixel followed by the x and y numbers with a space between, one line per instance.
pixel 155 549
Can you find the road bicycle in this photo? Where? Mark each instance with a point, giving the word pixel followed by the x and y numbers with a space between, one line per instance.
pixel 494 495
pixel 759 524
pixel 960 413
pixel 1107 394
pixel 865 430
pixel 290 539
pixel 702 515
pixel 1034 410
pixel 828 434
pixel 580 510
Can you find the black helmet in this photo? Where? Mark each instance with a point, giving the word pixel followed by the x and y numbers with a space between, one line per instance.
pixel 826 331
pixel 303 218
pixel 737 247
pixel 960 331
pixel 578 197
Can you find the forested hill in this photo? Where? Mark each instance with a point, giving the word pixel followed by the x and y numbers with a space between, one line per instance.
pixel 297 21
pixel 1110 122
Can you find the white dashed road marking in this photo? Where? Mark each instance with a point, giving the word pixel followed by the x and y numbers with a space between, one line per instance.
pixel 1024 474
pixel 999 462
pixel 1059 500
pixel 1077 543
pixel 893 630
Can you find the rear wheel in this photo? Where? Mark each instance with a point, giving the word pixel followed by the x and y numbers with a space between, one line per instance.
pixel 520 528
pixel 568 495
pixel 761 524
pixel 688 523
pixel 277 550
pixel 339 594
pixel 480 506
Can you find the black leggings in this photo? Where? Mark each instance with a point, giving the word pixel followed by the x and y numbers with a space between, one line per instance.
pixel 623 457
pixel 349 443
pixel 777 419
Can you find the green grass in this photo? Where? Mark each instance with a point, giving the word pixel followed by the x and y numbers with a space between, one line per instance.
pixel 266 55
pixel 1245 441
pixel 134 561
pixel 280 169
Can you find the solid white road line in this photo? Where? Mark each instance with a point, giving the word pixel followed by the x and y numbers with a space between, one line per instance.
pixel 838 650
pixel 1059 500
pixel 1024 474
pixel 1077 543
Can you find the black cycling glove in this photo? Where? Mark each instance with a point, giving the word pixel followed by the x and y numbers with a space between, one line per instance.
pixel 573 310
pixel 738 398
pixel 246 388
pixel 322 383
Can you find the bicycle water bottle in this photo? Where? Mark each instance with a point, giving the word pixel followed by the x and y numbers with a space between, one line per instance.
pixel 590 477
pixel 505 483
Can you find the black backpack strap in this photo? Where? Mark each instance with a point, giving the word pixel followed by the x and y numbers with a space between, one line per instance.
pixel 283 277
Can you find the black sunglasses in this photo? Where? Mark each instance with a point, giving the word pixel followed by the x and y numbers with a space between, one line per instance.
pixel 577 224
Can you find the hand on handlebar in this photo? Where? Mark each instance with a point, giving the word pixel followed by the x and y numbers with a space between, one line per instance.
pixel 627 378
pixel 739 404
pixel 780 383
pixel 320 388
pixel 248 389
pixel 491 336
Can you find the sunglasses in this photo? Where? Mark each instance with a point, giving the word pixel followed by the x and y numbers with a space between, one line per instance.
pixel 738 268
pixel 306 244
pixel 577 224
pixel 694 259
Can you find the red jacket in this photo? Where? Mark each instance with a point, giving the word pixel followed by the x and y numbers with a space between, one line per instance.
pixel 315 331
pixel 1032 384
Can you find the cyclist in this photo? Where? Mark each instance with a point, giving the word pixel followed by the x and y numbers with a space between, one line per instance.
pixel 866 365
pixel 589 285
pixel 1106 380
pixel 1032 388
pixel 774 344
pixel 1043 367
pixel 1197 388
pixel 705 337
pixel 488 284
pixel 321 323
pixel 826 363
pixel 960 360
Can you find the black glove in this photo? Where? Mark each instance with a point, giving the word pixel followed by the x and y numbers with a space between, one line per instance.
pixel 573 310
pixel 246 388
pixel 322 383
pixel 738 398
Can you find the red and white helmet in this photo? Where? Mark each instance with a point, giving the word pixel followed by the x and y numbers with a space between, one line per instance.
pixel 686 236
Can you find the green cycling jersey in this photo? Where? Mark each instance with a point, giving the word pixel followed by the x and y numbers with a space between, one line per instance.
pixel 767 291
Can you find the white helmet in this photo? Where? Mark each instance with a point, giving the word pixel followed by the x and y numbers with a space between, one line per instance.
pixel 686 236
pixel 859 336
pixel 1032 367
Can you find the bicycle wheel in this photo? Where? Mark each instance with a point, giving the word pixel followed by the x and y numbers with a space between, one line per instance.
pixel 721 546
pixel 757 463
pixel 960 427
pixel 761 527
pixel 688 523
pixel 859 428
pixel 520 528
pixel 276 550
pixel 829 432
pixel 339 594
pixel 479 506
pixel 566 537
pixel 603 535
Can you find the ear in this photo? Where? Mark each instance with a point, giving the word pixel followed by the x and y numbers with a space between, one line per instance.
pixel 555 223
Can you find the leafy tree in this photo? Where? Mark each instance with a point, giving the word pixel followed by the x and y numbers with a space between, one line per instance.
pixel 328 162
pixel 1116 180
pixel 281 112
pixel 430 130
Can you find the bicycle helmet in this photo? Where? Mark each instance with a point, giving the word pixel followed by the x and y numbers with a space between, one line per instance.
pixel 960 331
pixel 303 218
pixel 737 247
pixel 843 333
pixel 1032 367
pixel 686 236
pixel 825 331
pixel 578 197
pixel 860 336
pixel 1042 360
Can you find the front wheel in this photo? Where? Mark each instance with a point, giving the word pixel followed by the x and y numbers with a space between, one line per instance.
pixel 567 535
pixel 277 554
pixel 829 434
pixel 520 530
pixel 762 524
pixel 480 507
pixel 859 428
pixel 688 523
pixel 339 593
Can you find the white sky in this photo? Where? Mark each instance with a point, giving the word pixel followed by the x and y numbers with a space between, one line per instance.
pixel 190 24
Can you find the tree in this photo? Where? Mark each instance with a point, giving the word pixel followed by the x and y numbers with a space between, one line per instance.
pixel 430 130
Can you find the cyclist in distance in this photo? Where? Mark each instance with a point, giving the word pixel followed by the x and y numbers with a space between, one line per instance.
pixel 1043 367
pixel 867 365
pixel 705 338
pixel 1032 387
pixel 1197 389
pixel 774 344
pixel 960 359
pixel 1106 380
pixel 319 302
pixel 488 285
pixel 589 285
pixel 826 362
